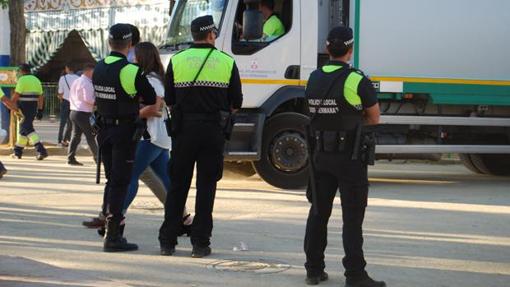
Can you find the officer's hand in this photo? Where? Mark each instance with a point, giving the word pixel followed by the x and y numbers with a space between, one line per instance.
pixel 39 115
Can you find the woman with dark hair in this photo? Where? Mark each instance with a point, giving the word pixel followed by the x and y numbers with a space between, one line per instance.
pixel 153 149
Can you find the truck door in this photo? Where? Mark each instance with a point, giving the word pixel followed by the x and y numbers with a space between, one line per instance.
pixel 269 63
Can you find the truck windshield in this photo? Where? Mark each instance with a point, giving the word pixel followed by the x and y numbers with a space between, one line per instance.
pixel 179 32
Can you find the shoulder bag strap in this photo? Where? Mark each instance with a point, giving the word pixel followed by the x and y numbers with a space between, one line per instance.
pixel 201 67
pixel 65 79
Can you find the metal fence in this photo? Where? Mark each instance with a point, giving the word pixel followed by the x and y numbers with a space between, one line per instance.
pixel 51 101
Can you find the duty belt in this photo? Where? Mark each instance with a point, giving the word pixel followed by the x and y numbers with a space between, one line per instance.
pixel 28 98
pixel 117 121
pixel 211 117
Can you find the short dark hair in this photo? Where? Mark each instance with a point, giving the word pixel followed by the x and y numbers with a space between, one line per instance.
pixel 119 44
pixel 200 36
pixel 24 68
pixel 267 3
pixel 338 50
pixel 70 65
pixel 89 66
pixel 135 38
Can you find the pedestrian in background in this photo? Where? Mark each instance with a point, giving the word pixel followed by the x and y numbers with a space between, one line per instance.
pixel 82 99
pixel 28 95
pixel 11 106
pixel 64 87
pixel 135 39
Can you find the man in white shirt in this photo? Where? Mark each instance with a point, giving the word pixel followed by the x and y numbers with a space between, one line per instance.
pixel 64 86
pixel 82 99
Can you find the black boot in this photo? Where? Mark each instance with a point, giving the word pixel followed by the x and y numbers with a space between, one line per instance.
pixel 73 161
pixel 365 282
pixel 3 170
pixel 41 151
pixel 200 251
pixel 315 280
pixel 18 152
pixel 113 240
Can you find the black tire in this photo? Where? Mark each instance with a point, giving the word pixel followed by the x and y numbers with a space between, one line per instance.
pixel 468 163
pixel 244 168
pixel 493 164
pixel 284 158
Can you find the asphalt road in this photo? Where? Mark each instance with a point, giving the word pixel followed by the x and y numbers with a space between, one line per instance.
pixel 427 225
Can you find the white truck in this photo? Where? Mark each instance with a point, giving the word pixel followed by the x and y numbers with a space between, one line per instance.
pixel 441 69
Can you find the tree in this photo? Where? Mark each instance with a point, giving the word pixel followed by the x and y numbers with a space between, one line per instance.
pixel 18 31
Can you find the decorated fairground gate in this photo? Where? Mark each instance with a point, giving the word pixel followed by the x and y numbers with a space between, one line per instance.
pixel 50 23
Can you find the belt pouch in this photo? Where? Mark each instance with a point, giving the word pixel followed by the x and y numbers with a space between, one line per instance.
pixel 333 141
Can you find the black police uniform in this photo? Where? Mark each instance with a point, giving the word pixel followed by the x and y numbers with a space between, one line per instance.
pixel 335 119
pixel 118 111
pixel 200 138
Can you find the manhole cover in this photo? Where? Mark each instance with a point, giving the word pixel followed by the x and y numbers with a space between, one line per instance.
pixel 258 266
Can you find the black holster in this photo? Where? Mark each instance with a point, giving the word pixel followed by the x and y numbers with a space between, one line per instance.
pixel 95 123
pixel 330 141
pixel 176 120
pixel 227 121
pixel 141 127
pixel 368 148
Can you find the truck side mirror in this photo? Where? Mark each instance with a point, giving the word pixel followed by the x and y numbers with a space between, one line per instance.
pixel 252 20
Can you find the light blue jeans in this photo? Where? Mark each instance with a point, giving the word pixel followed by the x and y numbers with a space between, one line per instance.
pixel 148 154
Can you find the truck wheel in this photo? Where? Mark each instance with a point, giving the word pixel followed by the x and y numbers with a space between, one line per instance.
pixel 468 163
pixel 284 159
pixel 493 164
pixel 244 168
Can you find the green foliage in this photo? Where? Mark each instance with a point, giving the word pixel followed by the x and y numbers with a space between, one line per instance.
pixel 4 4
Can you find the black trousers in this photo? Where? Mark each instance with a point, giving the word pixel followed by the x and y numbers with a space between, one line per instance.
pixel 117 149
pixel 65 122
pixel 81 125
pixel 201 143
pixel 333 172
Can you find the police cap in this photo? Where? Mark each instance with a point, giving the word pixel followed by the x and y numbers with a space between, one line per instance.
pixel 340 35
pixel 203 24
pixel 120 32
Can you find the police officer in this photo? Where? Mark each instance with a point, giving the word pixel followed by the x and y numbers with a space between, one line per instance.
pixel 203 84
pixel 340 101
pixel 29 97
pixel 118 86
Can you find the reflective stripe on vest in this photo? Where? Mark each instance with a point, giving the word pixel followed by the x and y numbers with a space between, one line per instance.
pixel 127 75
pixel 350 87
pixel 216 72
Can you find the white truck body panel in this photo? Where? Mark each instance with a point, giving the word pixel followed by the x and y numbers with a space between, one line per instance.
pixel 459 39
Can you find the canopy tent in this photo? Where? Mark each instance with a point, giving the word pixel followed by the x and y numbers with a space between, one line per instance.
pixel 48 28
